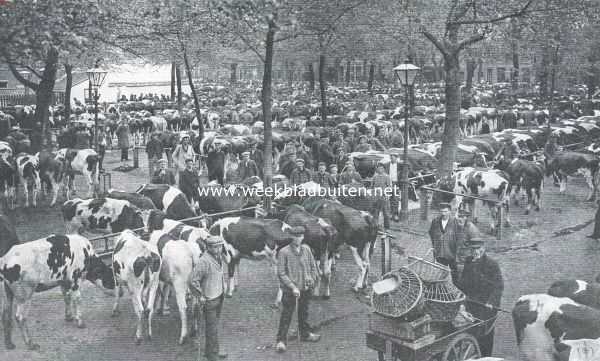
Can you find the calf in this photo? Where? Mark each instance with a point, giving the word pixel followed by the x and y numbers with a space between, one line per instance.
pixel 136 264
pixel 103 215
pixel 29 173
pixel 250 238
pixel 169 200
pixel 542 322
pixel 84 161
pixel 39 265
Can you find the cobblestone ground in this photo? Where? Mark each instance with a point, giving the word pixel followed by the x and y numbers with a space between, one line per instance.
pixel 249 322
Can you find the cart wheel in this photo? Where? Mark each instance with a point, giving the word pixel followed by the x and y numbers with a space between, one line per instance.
pixel 461 348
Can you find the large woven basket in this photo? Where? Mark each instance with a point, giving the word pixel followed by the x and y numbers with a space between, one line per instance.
pixel 428 271
pixel 404 301
pixel 442 300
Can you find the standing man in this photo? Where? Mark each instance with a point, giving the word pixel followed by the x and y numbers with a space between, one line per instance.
pixel 341 158
pixel 208 284
pixel 257 156
pixel 154 149
pixel 188 181
pixel 350 175
pixel 394 201
pixel 469 232
pixel 163 175
pixel 333 172
pixel 247 167
pixel 445 233
pixel 482 282
pixel 215 163
pixel 323 178
pixel 381 184
pixel 123 141
pixel 297 272
pixel 300 175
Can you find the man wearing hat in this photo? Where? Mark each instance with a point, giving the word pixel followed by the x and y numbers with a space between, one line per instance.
pixel 247 167
pixel 189 181
pixel 341 159
pixel 323 178
pixel 550 150
pixel 182 152
pixel 324 152
pixel 349 174
pixel 446 233
pixel 482 283
pixel 208 284
pixel 163 175
pixel 300 174
pixel 382 184
pixel 362 146
pixel 123 140
pixel 509 151
pixel 333 172
pixel 297 272
pixel 351 140
pixel 469 232
pixel 257 156
pixel 154 149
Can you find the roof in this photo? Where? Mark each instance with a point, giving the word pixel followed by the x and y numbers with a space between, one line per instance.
pixel 78 78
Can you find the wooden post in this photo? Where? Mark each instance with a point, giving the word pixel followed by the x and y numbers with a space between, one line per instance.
pixel 386 255
pixel 500 214
pixel 424 204
pixel 136 156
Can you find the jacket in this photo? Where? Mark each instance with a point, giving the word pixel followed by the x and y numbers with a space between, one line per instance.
pixel 445 242
pixel 350 177
pixel 300 176
pixel 208 277
pixel 396 139
pixel 180 155
pixel 189 183
pixel 365 147
pixel 469 231
pixel 324 179
pixel 154 148
pixel 167 178
pixel 247 169
pixel 482 281
pixel 296 269
pixel 123 136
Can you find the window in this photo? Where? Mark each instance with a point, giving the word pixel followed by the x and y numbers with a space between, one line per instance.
pixel 3 84
pixel 501 75
pixel 490 75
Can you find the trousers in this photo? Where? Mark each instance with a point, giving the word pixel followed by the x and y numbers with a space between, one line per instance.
pixel 394 201
pixel 212 314
pixel 288 302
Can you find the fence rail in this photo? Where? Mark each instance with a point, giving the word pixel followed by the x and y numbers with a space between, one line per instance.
pixel 10 97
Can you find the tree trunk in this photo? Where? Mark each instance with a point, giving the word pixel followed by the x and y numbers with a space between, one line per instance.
pixel 380 75
pixel 347 72
pixel 322 86
pixel 173 81
pixel 289 73
pixel 553 71
pixel 514 45
pixel 233 78
pixel 45 92
pixel 179 93
pixel 68 86
pixel 188 71
pixel 266 108
pixel 311 77
pixel 471 65
pixel 543 76
pixel 336 75
pixel 451 124
pixel 371 75
pixel 364 70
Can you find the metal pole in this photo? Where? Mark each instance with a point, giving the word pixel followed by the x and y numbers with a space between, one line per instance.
pixel 404 189
pixel 96 119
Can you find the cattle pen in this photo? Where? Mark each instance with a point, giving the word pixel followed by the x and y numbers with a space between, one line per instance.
pixel 107 250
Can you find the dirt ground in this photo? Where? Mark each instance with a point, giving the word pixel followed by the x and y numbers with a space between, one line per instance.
pixel 530 256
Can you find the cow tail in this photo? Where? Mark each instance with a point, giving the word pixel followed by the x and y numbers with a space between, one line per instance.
pixel 146 289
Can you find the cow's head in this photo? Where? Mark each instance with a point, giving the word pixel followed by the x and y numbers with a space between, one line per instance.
pixel 153 220
pixel 99 273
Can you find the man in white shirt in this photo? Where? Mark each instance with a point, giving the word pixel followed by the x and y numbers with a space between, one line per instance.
pixel 394 201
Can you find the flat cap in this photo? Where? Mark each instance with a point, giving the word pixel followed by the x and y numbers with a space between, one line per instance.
pixel 322 164
pixel 298 230
pixel 475 242
pixel 214 241
pixel 245 153
pixel 445 206
pixel 300 160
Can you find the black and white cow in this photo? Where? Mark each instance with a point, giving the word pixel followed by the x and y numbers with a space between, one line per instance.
pixel 138 200
pixel 136 264
pixel 357 229
pixel 102 215
pixel 51 174
pixel 570 163
pixel 550 328
pixel 28 167
pixel 8 234
pixel 84 161
pixel 251 238
pixel 579 291
pixel 528 175
pixel 56 260
pixel 168 199
pixel 8 179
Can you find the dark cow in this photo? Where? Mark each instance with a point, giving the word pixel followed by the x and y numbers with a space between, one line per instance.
pixel 320 236
pixel 138 200
pixel 528 175
pixel 103 215
pixel 8 179
pixel 215 198
pixel 570 163
pixel 547 326
pixel 579 291
pixel 39 265
pixel 251 238
pixel 357 229
pixel 8 234
pixel 169 200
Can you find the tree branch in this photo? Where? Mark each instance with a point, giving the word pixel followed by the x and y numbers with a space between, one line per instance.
pixel 472 40
pixel 21 79
pixel 519 13
pixel 435 42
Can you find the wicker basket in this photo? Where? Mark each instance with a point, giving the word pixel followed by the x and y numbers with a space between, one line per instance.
pixel 428 271
pixel 442 300
pixel 406 300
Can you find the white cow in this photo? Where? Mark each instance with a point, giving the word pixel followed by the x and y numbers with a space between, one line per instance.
pixel 28 167
pixel 84 161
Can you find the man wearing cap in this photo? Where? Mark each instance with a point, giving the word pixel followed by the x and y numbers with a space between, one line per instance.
pixel 215 163
pixel 182 152
pixel 297 272
pixel 323 178
pixel 394 176
pixel 257 156
pixel 300 174
pixel 208 284
pixel 351 140
pixel 469 232
pixel 189 182
pixel 550 150
pixel 123 140
pixel 445 233
pixel 509 151
pixel 154 149
pixel 247 167
pixel 381 184
pixel 396 139
pixel 341 159
pixel 324 152
pixel 163 175
pixel 333 172
pixel 350 175
pixel 482 283
pixel 362 146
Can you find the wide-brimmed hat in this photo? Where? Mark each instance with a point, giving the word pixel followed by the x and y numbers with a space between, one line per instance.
pixel 189 160
pixel 214 241
pixel 298 230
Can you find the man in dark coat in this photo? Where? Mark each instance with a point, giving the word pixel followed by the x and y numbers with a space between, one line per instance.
pixel 247 167
pixel 188 181
pixel 154 149
pixel 257 156
pixel 323 178
pixel 325 154
pixel 341 159
pixel 445 233
pixel 300 175
pixel 482 283
pixel 163 175
pixel 215 163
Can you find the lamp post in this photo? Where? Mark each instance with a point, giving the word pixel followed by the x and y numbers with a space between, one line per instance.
pixel 406 74
pixel 96 78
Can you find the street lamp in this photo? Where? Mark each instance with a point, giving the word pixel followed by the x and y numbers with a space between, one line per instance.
pixel 96 78
pixel 406 73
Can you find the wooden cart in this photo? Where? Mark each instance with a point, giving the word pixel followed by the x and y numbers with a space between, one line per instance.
pixel 444 342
